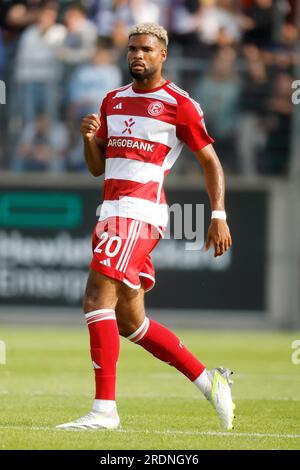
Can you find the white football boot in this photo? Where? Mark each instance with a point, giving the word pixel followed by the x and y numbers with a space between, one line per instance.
pixel 220 396
pixel 94 420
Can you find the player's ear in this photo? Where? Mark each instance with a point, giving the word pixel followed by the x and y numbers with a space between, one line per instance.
pixel 164 54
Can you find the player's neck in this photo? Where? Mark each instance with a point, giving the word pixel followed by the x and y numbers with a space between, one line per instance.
pixel 149 83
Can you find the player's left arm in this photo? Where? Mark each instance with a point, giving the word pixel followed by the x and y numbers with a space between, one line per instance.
pixel 218 231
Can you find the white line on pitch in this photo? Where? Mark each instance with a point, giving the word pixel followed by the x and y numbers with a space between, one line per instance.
pixel 167 432
pixel 146 395
pixel 214 433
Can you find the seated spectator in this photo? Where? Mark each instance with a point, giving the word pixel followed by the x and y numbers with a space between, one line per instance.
pixel 119 36
pixel 204 25
pixel 80 39
pixel 257 23
pixel 75 159
pixel 282 55
pixel 218 22
pixel 2 101
pixel 218 94
pixel 276 155
pixel 114 18
pixel 108 12
pixel 37 69
pixel 254 94
pixel 1 54
pixel 90 82
pixel 144 11
pixel 42 146
pixel 184 21
pixel 15 16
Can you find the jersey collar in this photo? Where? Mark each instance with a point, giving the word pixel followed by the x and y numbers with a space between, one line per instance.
pixel 151 90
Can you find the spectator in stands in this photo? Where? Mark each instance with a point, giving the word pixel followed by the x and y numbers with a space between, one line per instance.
pixel 37 68
pixel 257 23
pixel 114 18
pixel 183 26
pixel 144 11
pixel 2 122
pixel 86 90
pixel 251 137
pixel 80 39
pixel 282 55
pixel 1 54
pixel 119 36
pixel 218 21
pixel 58 73
pixel 218 92
pixel 90 82
pixel 106 13
pixel 15 16
pixel 74 159
pixel 203 25
pixel 275 158
pixel 42 146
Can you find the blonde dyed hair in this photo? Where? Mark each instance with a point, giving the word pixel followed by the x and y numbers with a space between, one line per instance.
pixel 150 28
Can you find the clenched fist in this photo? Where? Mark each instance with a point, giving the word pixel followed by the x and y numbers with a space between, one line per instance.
pixel 89 125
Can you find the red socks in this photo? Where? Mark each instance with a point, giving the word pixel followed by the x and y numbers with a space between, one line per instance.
pixel 152 336
pixel 105 347
pixel 167 347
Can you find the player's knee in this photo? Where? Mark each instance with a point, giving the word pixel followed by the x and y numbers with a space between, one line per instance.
pixel 101 292
pixel 94 300
pixel 89 305
pixel 97 297
pixel 126 328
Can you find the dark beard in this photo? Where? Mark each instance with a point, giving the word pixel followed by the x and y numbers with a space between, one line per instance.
pixel 141 75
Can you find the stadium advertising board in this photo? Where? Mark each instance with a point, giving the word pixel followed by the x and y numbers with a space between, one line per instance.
pixel 45 249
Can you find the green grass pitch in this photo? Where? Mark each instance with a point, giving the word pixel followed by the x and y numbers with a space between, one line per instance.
pixel 48 380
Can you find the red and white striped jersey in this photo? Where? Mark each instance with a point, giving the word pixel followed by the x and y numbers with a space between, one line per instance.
pixel 145 132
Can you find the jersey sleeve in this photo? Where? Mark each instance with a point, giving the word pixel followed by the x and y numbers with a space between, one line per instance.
pixel 190 126
pixel 101 132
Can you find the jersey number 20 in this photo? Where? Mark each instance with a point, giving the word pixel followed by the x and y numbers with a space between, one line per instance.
pixel 108 248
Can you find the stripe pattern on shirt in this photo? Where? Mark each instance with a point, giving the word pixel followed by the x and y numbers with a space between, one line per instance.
pixel 142 146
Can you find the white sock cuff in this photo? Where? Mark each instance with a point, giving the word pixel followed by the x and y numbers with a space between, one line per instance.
pixel 203 383
pixel 100 315
pixel 104 406
pixel 140 332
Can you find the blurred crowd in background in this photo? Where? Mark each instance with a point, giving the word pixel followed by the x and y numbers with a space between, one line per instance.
pixel 59 59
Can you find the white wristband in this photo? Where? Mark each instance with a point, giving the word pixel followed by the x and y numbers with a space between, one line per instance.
pixel 218 215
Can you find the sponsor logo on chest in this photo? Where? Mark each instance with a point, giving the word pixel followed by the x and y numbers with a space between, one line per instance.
pixel 131 144
pixel 128 125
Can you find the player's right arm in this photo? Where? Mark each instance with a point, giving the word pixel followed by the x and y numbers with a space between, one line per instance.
pixel 94 147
